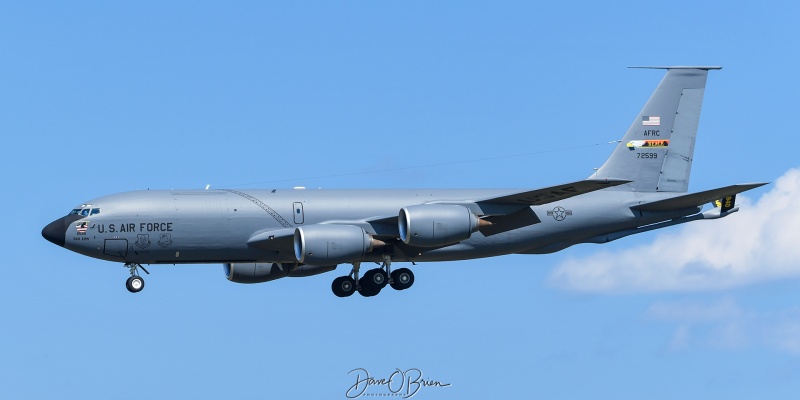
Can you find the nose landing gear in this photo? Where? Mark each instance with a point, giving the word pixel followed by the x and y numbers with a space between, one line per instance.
pixel 135 283
pixel 373 280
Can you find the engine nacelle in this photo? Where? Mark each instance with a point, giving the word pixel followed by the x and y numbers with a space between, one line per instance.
pixel 255 272
pixel 265 272
pixel 332 244
pixel 309 270
pixel 431 225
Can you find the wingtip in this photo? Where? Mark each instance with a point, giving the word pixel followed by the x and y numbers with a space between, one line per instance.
pixel 755 184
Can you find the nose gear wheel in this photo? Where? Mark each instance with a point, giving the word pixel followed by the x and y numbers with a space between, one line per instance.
pixel 135 283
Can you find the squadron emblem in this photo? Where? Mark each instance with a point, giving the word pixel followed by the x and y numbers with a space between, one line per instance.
pixel 165 240
pixel 142 241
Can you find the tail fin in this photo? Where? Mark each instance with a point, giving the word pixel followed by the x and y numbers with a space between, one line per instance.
pixel 656 152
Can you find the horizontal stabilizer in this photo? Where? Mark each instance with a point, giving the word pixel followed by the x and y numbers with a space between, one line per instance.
pixel 696 199
pixel 555 193
pixel 705 67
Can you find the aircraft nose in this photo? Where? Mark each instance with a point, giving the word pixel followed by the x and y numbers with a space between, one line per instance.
pixel 56 231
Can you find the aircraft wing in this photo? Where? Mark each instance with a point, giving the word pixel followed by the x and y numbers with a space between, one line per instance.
pixel 514 209
pixel 696 199
pixel 554 193
pixel 282 240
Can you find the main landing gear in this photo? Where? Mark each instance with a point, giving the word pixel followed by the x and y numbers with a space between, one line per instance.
pixel 373 280
pixel 135 283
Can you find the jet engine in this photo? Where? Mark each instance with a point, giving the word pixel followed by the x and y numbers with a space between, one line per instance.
pixel 309 270
pixel 255 272
pixel 432 225
pixel 332 244
pixel 265 272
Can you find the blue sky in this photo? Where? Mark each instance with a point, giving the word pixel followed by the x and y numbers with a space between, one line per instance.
pixel 98 98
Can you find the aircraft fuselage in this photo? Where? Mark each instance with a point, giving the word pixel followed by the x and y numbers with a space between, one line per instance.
pixel 214 226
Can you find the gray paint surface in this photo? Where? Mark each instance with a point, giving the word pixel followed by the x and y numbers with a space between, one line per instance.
pixel 643 183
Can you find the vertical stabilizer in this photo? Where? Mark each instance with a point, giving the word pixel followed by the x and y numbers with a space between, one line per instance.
pixel 656 152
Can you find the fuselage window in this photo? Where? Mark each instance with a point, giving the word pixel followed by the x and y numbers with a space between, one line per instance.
pixel 95 211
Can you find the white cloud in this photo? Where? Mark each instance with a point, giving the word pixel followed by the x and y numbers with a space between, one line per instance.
pixel 759 243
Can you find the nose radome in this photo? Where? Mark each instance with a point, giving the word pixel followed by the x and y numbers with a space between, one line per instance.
pixel 56 231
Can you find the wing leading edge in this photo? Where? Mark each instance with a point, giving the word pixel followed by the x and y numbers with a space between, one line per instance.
pixel 554 193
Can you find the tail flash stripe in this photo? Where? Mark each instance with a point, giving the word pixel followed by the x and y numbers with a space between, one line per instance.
pixel 635 144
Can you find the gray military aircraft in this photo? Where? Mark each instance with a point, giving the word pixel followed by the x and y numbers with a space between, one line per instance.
pixel 262 235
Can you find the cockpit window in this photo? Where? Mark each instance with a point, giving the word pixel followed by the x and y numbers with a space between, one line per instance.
pixel 87 211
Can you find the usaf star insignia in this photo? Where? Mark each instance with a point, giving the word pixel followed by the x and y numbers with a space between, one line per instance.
pixel 559 213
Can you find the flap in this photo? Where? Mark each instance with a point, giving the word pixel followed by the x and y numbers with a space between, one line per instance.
pixel 504 223
pixel 696 199
pixel 555 193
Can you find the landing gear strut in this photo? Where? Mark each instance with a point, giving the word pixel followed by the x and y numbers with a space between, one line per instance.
pixel 135 283
pixel 373 280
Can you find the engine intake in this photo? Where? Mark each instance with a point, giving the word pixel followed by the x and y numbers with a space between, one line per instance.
pixel 432 225
pixel 332 244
